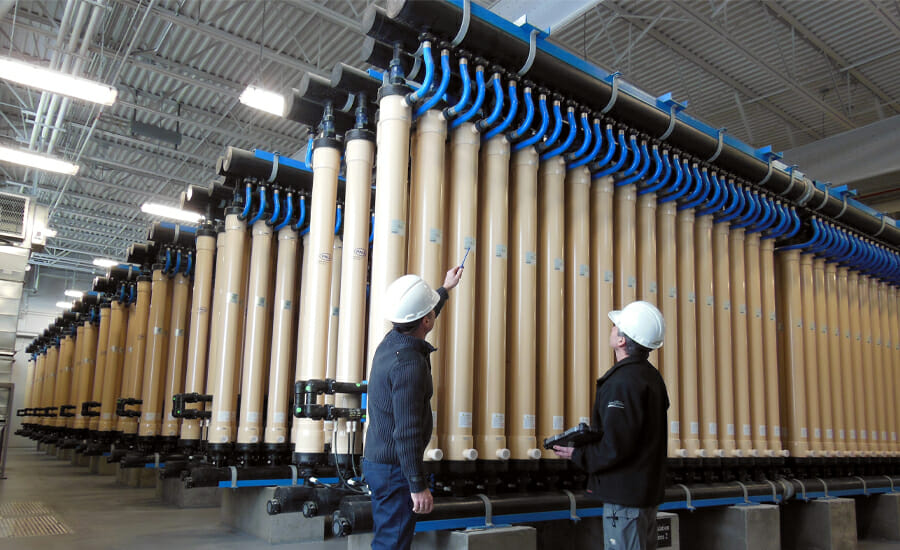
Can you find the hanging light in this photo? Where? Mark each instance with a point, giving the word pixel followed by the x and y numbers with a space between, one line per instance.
pixel 264 100
pixel 105 262
pixel 34 160
pixel 170 212
pixel 74 293
pixel 49 80
pixel 64 305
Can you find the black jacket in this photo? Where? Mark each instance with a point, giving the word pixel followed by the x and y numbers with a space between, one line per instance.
pixel 627 466
pixel 399 403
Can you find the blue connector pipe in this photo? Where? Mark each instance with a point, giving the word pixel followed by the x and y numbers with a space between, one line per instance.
pixel 262 205
pixel 132 294
pixel 826 241
pixel 288 214
pixel 655 182
pixel 189 267
pixel 168 261
pixel 768 218
pixel 644 155
pixel 338 218
pixel 248 199
pixel 698 195
pixel 623 154
pixel 545 123
pixel 811 242
pixel 570 137
pixel 636 161
pixel 557 128
pixel 302 218
pixel 451 112
pixel 755 213
pixel 784 220
pixel 177 263
pixel 372 229
pixel 713 204
pixel 529 116
pixel 485 123
pixel 610 151
pixel 678 188
pixel 442 86
pixel 597 135
pixel 586 131
pixel 276 211
pixel 507 120
pixel 414 97
pixel 307 159
pixel 734 207
pixel 479 99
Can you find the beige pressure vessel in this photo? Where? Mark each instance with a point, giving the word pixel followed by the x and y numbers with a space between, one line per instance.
pixel 750 314
pixel 603 275
pixel 359 156
pixel 30 369
pixel 774 419
pixel 878 375
pixel 706 346
pixel 302 320
pixel 259 299
pixel 625 244
pixel 894 375
pixel 313 351
pixel 37 382
pixel 198 338
pixel 100 371
pixel 490 301
pixel 579 387
pixel 823 359
pixel 77 368
pixel 846 361
pixel 459 314
pixel 687 336
pixel 666 254
pixel 551 287
pixel 426 237
pixel 63 378
pixel 646 255
pixel 792 346
pixel 284 306
pixel 868 372
pixel 50 382
pixel 86 376
pixel 856 364
pixel 811 369
pixel 389 243
pixel 225 341
pixel 155 356
pixel 217 319
pixel 521 335
pixel 834 358
pixel 115 357
pixel 334 317
pixel 40 397
pixel 728 353
pixel 175 358
pixel 135 351
pixel 889 432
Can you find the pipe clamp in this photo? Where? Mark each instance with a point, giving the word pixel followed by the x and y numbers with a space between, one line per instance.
pixel 234 479
pixel 883 222
pixel 863 481
pixel 746 494
pixel 825 200
pixel 790 185
pixel 532 51
pixel 274 172
pixel 293 475
pixel 889 478
pixel 573 508
pixel 488 510
pixel 464 24
pixel 719 146
pixel 807 194
pixel 156 460
pixel 687 493
pixel 802 490
pixel 843 207
pixel 825 485
pixel 615 92
pixel 774 491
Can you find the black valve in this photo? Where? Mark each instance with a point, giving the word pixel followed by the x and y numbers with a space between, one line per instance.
pixel 64 411
pixel 181 400
pixel 21 412
pixel 121 403
pixel 87 408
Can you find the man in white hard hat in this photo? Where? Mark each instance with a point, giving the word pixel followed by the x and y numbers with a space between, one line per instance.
pixel 627 466
pixel 399 410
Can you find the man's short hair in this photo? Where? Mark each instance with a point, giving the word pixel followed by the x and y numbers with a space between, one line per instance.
pixel 406 328
pixel 632 348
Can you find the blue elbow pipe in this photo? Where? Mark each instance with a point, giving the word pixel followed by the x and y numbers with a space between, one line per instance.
pixel 713 204
pixel 610 151
pixel 372 229
pixel 769 216
pixel 557 128
pixel 545 123
pixel 815 238
pixel 262 205
pixel 507 120
pixel 451 112
pixel 783 223
pixel 168 260
pixel 276 211
pixel 529 116
pixel 479 99
pixel 586 130
pixel 623 154
pixel 597 135
pixel 288 214
pixel 753 214
pixel 485 123
pixel 307 159
pixel 417 95
pixel 177 263
pixel 189 268
pixel 645 166
pixel 678 190
pixel 734 207
pixel 655 182
pixel 339 217
pixel 132 294
pixel 248 199
pixel 826 240
pixel 442 86
pixel 634 148
pixel 698 194
pixel 302 218
pixel 570 137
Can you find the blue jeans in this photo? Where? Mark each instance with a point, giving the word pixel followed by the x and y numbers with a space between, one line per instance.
pixel 392 513
pixel 627 528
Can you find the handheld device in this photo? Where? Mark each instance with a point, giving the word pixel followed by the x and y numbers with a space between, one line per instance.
pixel 578 436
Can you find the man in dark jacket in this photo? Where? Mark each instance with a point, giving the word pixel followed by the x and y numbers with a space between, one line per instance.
pixel 399 410
pixel 626 466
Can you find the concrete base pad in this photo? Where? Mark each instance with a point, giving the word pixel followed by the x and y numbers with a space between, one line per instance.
pixel 40 447
pixel 499 538
pixel 138 478
pixel 753 527
pixel 245 509
pixel 421 541
pixel 65 454
pixel 878 516
pixel 824 524
pixel 99 465
pixel 50 449
pixel 171 491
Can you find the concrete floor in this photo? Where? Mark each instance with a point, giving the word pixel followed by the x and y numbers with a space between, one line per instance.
pixel 102 514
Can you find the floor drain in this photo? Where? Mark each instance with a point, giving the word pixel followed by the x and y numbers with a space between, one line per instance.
pixel 29 519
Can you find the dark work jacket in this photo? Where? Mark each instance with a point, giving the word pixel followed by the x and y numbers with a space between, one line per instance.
pixel 399 403
pixel 627 466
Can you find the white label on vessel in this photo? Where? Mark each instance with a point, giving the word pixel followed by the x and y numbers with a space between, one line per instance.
pixel 435 235
pixel 179 332
pixel 804 433
pixel 584 419
pixel 106 416
pixel 727 306
pixel 675 427
pixel 762 431
pixel 465 420
pixel 398 227
pixel 260 301
pixel 149 416
pixel 777 431
pixel 559 423
pixel 852 434
pixel 253 416
pixel 874 435
pixel 608 276
pixel 692 297
pixel 158 330
pixel 632 281
pixel 748 431
pixel 286 304
pixel 224 416
pixel 498 421
pixel 584 270
pixel 829 434
pixel 695 428
pixel 234 297
pixel 469 242
pixel 864 435
pixel 500 252
pixel 558 264
pixel 713 428
pixel 279 417
pixel 528 421
pixel 729 429
pixel 434 418
pixel 530 257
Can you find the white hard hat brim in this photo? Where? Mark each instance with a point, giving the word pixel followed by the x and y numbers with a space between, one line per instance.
pixel 614 316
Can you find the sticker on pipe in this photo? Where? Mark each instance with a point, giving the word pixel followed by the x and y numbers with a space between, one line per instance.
pixel 498 421
pixel 530 257
pixel 500 251
pixel 465 420
pixel 398 227
pixel 324 257
pixel 528 421
pixel 360 253
pixel 559 423
pixel 435 235
pixel 279 417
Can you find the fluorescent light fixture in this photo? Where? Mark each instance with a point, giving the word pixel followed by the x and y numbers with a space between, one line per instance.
pixel 50 233
pixel 64 305
pixel 264 100
pixel 34 76
pixel 170 212
pixel 34 160
pixel 74 293
pixel 105 262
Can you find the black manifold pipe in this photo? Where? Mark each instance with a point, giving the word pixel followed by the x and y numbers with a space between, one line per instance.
pixel 243 163
pixel 442 19
pixel 209 476
pixel 306 110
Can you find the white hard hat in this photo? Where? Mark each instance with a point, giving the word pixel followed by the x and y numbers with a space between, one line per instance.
pixel 408 299
pixel 641 322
